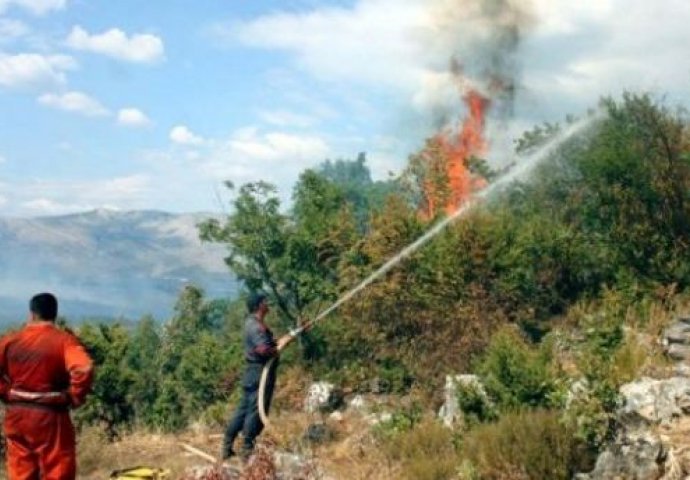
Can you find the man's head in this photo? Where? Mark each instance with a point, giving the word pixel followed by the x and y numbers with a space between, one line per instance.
pixel 257 302
pixel 43 306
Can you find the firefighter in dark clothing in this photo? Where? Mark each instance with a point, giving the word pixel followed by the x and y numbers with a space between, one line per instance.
pixel 259 348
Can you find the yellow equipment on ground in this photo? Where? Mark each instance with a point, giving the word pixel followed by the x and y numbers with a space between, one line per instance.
pixel 141 473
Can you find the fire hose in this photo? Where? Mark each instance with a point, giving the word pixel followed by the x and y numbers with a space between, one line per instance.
pixel 404 253
pixel 519 171
pixel 261 397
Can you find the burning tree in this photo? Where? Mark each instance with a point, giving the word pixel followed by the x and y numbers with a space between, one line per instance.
pixel 443 171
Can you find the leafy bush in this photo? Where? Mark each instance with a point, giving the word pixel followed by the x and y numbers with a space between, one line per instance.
pixel 608 354
pixel 475 404
pixel 400 421
pixel 516 375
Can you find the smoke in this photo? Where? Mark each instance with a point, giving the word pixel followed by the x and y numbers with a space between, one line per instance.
pixel 474 45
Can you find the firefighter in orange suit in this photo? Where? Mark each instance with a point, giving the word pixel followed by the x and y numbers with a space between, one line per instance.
pixel 44 372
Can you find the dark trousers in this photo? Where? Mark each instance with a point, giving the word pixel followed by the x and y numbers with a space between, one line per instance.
pixel 246 418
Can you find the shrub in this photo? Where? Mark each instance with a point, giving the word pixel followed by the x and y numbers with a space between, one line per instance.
pixel 475 404
pixel 528 445
pixel 400 421
pixel 515 374
pixel 425 451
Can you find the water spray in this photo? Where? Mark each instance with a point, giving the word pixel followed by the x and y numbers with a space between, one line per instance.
pixel 518 172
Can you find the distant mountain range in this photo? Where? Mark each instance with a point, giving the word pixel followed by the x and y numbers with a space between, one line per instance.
pixel 106 263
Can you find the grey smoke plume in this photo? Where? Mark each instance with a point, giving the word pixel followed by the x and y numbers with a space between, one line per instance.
pixel 476 45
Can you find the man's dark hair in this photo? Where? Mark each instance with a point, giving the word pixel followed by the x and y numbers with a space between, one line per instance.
pixel 44 305
pixel 254 300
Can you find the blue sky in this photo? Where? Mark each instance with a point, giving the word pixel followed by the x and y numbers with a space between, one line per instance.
pixel 129 104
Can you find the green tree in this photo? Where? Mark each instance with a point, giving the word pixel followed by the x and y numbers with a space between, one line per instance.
pixel 109 403
pixel 294 256
pixel 364 194
pixel 624 185
pixel 143 358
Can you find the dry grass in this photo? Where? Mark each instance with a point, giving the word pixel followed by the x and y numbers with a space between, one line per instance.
pixel 426 452
pixel 526 446
pixel 352 453
pixel 97 458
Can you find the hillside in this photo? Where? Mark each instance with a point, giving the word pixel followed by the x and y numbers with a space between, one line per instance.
pixel 107 263
pixel 532 319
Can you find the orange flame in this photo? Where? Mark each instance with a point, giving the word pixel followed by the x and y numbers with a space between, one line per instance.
pixel 456 149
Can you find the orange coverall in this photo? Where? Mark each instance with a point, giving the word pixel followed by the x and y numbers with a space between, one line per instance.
pixel 44 371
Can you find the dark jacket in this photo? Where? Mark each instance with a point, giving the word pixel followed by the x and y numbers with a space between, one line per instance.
pixel 259 344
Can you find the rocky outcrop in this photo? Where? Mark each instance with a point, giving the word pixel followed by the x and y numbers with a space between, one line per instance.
pixel 676 339
pixel 654 421
pixel 633 457
pixel 649 402
pixel 323 397
pixel 450 413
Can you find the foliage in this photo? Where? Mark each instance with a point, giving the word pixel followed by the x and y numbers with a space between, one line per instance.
pixel 109 403
pixel 475 404
pixel 625 184
pixel 162 377
pixel 399 421
pixel 514 374
pixel 605 360
pixel 426 451
pixel 293 257
pixel 363 194
pixel 143 357
pixel 603 222
pixel 531 445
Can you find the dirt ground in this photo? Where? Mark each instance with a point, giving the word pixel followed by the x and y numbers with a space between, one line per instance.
pixel 348 454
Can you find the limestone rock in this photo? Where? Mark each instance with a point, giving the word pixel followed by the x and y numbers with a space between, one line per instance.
pixel 291 466
pixel 635 458
pixel 678 352
pixel 649 401
pixel 450 412
pixel 323 397
pixel 678 332
pixel 358 403
pixel 215 472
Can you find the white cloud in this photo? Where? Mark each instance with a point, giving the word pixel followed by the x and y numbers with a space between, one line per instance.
pixel 138 48
pixel 32 71
pixel 75 102
pixel 10 29
pixel 567 18
pixel 250 155
pixel 601 52
pixel 37 7
pixel 182 135
pixel 3 201
pixel 247 155
pixel 276 145
pixel 119 187
pixel 338 43
pixel 40 197
pixel 44 206
pixel 132 117
pixel 2 159
pixel 284 118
